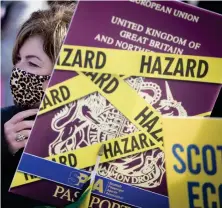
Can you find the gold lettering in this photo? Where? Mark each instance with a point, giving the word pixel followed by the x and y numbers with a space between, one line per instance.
pixel 106 202
pixel 115 205
pixel 98 186
pixel 59 190
pixel 66 194
pixel 95 200
pixel 61 193
pixel 82 178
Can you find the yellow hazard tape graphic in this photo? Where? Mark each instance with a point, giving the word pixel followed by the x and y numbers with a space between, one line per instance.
pixel 64 93
pixel 134 63
pixel 118 93
pixel 104 71
pixel 138 111
pixel 113 149
pixel 142 114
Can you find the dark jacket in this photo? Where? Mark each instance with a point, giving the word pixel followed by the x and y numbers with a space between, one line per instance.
pixel 8 166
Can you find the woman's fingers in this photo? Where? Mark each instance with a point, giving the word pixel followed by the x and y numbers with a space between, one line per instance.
pixel 25 133
pixel 14 145
pixel 22 115
pixel 23 125
pixel 17 125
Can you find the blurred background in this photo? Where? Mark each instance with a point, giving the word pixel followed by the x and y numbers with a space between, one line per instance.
pixel 14 13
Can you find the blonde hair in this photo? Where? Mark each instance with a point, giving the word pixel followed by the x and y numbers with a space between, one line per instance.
pixel 52 25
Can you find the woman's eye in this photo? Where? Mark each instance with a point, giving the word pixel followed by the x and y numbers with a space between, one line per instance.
pixel 32 64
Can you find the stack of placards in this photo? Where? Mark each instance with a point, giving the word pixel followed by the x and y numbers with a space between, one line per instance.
pixel 122 65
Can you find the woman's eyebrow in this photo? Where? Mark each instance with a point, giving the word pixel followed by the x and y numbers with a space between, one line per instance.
pixel 33 56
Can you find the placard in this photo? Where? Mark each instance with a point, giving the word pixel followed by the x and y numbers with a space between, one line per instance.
pixel 83 107
pixel 193 151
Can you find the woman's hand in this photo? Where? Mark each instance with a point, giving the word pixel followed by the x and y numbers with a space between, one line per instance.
pixel 18 129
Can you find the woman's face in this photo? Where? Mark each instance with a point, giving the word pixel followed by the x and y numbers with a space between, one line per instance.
pixel 28 88
pixel 33 59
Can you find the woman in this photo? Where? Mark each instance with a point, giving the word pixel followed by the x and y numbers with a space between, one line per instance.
pixel 34 55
